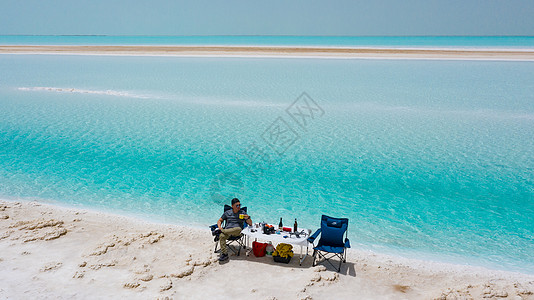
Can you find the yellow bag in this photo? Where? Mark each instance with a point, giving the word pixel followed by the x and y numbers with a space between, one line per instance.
pixel 283 250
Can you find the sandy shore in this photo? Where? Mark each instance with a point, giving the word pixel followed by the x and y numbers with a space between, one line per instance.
pixel 54 252
pixel 325 52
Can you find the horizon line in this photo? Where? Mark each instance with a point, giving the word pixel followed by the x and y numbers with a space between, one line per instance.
pixel 260 35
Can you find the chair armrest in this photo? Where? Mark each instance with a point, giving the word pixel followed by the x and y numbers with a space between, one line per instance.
pixel 312 238
pixel 347 243
pixel 215 229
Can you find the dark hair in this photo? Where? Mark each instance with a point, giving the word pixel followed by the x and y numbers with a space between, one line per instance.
pixel 234 201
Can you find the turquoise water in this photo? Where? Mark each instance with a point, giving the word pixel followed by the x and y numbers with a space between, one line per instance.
pixel 343 41
pixel 429 159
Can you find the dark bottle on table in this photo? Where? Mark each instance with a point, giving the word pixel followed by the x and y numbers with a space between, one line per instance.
pixel 295 226
pixel 280 226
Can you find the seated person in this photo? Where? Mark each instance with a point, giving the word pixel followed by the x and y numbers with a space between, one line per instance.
pixel 233 227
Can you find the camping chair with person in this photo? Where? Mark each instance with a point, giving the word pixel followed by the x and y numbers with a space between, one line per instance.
pixel 333 242
pixel 238 240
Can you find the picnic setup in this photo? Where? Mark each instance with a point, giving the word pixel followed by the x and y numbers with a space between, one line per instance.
pixel 285 240
pixel 236 232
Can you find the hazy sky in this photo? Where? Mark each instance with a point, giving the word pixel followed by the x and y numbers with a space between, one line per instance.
pixel 268 17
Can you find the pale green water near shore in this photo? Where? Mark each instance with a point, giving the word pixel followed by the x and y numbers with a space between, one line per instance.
pixel 426 158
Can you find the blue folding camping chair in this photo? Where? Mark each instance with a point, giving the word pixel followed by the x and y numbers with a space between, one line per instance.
pixel 239 240
pixel 333 241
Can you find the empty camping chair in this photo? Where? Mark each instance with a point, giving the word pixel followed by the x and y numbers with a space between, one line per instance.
pixel 333 241
pixel 239 240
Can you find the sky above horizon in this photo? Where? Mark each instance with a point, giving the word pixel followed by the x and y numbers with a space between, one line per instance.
pixel 275 17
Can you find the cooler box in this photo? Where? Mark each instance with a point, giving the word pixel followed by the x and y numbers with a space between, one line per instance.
pixel 259 249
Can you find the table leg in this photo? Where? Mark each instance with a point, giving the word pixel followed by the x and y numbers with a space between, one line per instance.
pixel 303 257
pixel 247 252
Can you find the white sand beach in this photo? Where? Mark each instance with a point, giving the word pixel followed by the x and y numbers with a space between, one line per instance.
pixel 48 251
pixel 282 51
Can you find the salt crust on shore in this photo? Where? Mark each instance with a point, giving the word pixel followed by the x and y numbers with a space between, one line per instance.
pixel 54 252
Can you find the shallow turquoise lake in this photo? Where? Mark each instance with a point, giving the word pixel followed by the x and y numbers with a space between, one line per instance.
pixel 431 159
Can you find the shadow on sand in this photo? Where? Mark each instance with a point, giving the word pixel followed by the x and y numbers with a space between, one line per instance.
pixel 346 268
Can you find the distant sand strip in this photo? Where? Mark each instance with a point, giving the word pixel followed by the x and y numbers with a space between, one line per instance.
pixel 326 52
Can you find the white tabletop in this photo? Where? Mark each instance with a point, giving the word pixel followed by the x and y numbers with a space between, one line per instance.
pixel 278 238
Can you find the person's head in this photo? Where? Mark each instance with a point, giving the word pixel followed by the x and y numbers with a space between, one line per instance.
pixel 236 205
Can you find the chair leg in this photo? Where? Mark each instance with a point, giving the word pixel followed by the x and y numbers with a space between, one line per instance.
pixel 326 259
pixel 241 246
